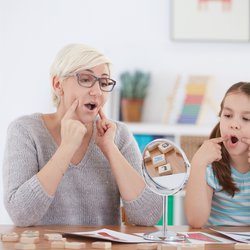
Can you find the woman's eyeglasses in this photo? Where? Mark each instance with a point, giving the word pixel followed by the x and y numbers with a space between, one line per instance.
pixel 88 80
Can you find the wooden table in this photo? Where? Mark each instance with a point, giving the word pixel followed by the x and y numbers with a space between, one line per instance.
pixel 44 244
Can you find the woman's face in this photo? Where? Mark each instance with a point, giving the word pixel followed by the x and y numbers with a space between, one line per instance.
pixel 90 99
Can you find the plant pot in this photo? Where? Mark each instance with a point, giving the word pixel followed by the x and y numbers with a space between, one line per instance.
pixel 131 109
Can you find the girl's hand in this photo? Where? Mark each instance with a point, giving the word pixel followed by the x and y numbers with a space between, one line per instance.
pixel 105 133
pixel 72 131
pixel 209 152
pixel 247 141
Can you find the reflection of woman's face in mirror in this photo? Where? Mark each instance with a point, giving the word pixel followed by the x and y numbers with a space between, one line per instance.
pixel 162 158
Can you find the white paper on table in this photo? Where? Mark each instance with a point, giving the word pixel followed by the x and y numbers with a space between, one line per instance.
pixel 238 236
pixel 199 238
pixel 110 235
pixel 115 236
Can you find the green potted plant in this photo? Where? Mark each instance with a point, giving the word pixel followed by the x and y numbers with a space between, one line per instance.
pixel 134 88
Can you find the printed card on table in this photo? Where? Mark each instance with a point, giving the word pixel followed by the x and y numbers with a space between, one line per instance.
pixel 115 236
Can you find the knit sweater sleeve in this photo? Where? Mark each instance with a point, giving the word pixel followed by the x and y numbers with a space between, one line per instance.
pixel 146 209
pixel 24 197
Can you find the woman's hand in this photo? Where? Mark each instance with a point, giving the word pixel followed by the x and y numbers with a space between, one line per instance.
pixel 72 131
pixel 105 135
pixel 209 152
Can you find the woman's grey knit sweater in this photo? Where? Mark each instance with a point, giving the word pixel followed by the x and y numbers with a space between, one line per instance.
pixel 87 194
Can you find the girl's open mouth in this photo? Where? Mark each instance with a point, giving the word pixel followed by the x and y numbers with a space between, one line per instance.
pixel 234 139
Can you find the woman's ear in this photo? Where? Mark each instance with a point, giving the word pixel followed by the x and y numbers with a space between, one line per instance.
pixel 57 86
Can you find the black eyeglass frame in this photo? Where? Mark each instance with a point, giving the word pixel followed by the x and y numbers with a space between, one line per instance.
pixel 97 79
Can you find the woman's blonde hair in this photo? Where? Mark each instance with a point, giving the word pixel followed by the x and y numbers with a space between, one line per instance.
pixel 72 58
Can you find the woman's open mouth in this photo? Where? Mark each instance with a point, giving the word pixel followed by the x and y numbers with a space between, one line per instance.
pixel 90 106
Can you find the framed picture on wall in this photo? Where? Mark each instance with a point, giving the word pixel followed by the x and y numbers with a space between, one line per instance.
pixel 210 20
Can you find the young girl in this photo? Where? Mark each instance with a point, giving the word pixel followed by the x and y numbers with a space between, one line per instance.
pixel 218 190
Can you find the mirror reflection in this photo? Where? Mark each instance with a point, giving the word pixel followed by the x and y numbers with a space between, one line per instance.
pixel 165 166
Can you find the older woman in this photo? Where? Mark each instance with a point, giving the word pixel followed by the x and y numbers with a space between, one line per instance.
pixel 74 166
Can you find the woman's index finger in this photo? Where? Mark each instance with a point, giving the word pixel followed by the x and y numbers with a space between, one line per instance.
pixel 101 114
pixel 69 113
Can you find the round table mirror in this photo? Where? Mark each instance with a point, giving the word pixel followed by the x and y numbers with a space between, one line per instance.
pixel 165 169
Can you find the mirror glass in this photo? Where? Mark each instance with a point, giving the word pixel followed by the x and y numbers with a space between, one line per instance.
pixel 165 169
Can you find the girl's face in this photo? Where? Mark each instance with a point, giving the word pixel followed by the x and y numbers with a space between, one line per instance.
pixel 90 99
pixel 235 123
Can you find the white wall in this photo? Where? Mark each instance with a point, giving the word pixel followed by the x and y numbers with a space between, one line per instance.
pixel 133 33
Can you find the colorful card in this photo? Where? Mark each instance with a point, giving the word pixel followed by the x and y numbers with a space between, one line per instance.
pixel 115 236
